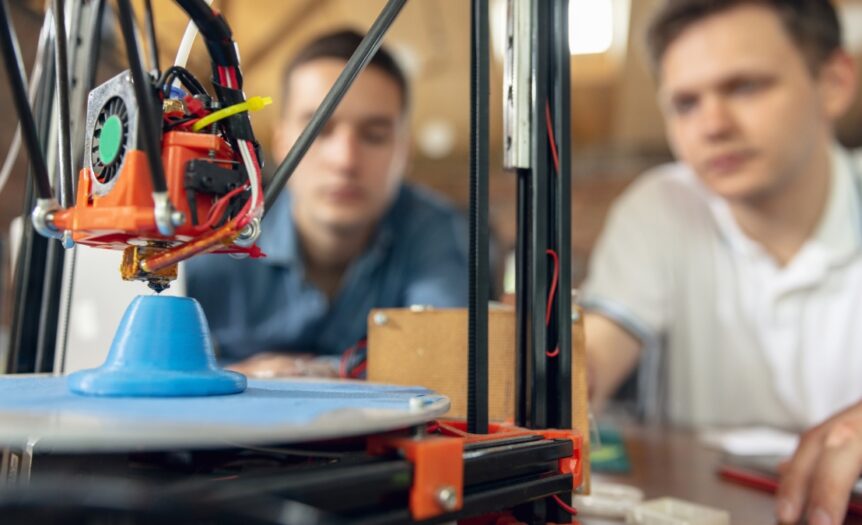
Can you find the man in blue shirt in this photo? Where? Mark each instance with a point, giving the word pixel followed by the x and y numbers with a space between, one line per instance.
pixel 347 236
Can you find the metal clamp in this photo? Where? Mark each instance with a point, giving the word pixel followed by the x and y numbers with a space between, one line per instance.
pixel 167 218
pixel 43 218
pixel 248 236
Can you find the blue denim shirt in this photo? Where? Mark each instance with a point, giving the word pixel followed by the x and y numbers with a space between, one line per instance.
pixel 417 256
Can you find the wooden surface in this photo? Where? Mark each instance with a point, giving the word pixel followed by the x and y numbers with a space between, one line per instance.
pixel 674 463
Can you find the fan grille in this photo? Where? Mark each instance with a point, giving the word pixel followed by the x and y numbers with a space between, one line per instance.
pixel 106 167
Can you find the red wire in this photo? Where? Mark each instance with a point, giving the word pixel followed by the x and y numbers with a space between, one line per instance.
pixel 553 291
pixel 357 371
pixel 565 506
pixel 554 280
pixel 552 141
pixel 551 138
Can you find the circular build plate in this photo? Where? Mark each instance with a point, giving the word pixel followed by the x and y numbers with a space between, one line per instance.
pixel 40 412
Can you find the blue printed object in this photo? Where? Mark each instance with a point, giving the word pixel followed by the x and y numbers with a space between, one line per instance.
pixel 162 348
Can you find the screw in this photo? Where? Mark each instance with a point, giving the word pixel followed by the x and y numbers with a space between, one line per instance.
pixel 178 218
pixel 447 497
pixel 380 318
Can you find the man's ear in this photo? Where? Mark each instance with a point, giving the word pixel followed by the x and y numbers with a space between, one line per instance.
pixel 837 82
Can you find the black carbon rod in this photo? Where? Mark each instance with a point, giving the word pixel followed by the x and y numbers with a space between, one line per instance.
pixel 523 383
pixel 65 120
pixel 360 58
pixel 560 91
pixel 538 263
pixel 144 94
pixel 15 73
pixel 151 35
pixel 477 329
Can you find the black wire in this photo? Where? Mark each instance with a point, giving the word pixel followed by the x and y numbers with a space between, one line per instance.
pixel 360 58
pixel 174 123
pixel 185 76
pixel 143 93
pixel 64 123
pixel 15 74
pixel 151 36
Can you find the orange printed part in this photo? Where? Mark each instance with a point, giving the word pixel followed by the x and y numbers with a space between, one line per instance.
pixel 574 464
pixel 127 209
pixel 438 471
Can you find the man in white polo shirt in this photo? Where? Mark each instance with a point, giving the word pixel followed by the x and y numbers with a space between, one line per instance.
pixel 741 265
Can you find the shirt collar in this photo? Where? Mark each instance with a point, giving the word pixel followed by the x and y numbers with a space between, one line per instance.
pixel 837 236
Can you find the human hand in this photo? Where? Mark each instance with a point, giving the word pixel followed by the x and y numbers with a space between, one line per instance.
pixel 819 477
pixel 272 364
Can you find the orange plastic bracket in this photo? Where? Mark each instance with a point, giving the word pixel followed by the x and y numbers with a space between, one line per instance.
pixel 572 465
pixel 438 472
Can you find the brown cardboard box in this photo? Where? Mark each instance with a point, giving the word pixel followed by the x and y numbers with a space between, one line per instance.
pixel 428 347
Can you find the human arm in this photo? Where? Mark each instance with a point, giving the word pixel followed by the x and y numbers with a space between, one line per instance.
pixel 626 294
pixel 818 479
pixel 275 364
pixel 612 353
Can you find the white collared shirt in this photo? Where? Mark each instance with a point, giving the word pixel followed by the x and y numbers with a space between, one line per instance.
pixel 744 340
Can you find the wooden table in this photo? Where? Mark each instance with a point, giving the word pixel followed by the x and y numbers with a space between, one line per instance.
pixel 674 463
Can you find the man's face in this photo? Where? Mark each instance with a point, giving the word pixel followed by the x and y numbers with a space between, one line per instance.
pixel 352 171
pixel 741 104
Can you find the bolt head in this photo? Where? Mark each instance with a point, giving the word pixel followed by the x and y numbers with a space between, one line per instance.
pixel 447 497
pixel 380 318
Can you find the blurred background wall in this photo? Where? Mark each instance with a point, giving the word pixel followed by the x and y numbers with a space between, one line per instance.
pixel 616 127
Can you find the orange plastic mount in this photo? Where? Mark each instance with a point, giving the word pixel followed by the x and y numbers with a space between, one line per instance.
pixel 438 471
pixel 126 211
pixel 572 465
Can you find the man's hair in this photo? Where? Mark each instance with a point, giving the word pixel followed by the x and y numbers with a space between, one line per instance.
pixel 812 24
pixel 341 45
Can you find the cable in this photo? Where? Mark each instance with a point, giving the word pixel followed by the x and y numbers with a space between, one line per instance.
pixel 565 506
pixel 360 58
pixel 185 47
pixel 15 74
pixel 151 36
pixel 35 78
pixel 556 276
pixel 151 132
pixel 551 140
pixel 185 77
pixel 252 104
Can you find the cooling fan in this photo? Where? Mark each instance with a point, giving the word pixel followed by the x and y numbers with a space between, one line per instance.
pixel 109 140
pixel 112 121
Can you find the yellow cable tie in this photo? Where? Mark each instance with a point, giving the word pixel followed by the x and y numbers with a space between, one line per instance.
pixel 252 104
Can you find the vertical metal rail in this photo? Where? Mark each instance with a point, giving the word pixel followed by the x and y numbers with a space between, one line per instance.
pixel 477 329
pixel 523 340
pixel 561 115
pixel 537 289
pixel 64 123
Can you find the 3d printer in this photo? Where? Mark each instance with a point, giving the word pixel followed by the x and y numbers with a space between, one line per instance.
pixel 171 172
